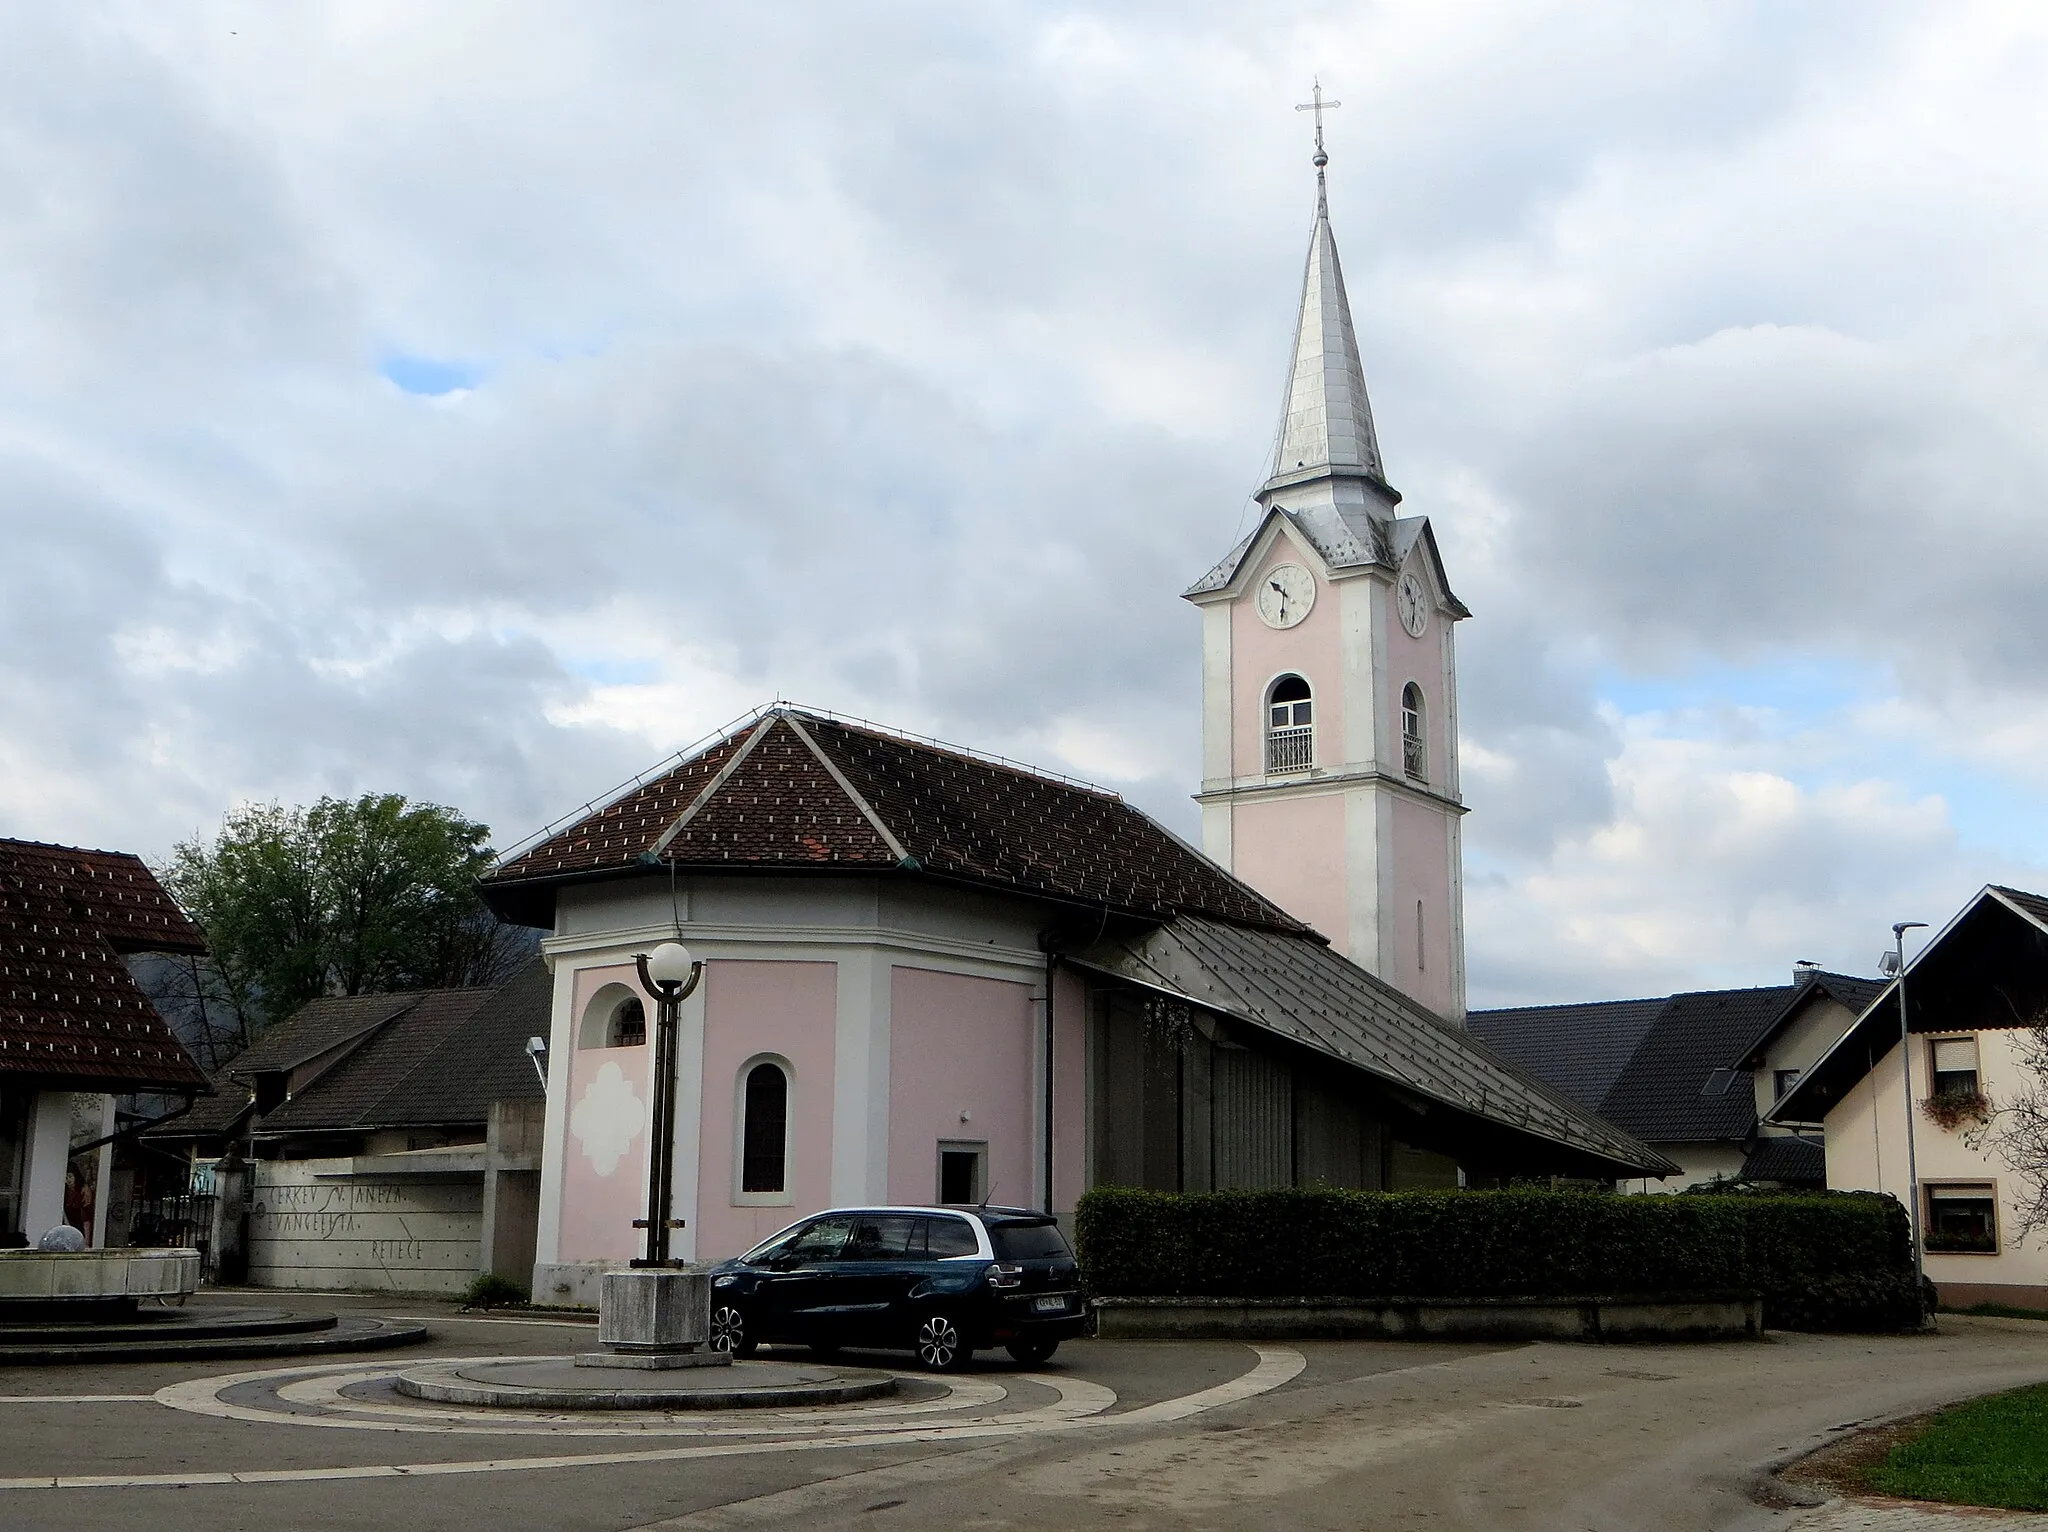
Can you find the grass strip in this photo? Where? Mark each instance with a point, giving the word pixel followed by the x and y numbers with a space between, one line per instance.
pixel 1991 1451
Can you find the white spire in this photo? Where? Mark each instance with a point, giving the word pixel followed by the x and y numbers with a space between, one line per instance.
pixel 1326 420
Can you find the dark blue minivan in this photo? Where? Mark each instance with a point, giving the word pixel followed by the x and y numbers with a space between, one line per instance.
pixel 940 1281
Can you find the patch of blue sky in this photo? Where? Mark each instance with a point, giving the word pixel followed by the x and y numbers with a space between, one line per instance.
pixel 1791 690
pixel 1812 701
pixel 610 670
pixel 429 375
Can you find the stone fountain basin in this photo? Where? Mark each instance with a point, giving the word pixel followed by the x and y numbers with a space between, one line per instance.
pixel 95 1276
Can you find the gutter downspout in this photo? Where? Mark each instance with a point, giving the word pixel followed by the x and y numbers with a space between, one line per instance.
pixel 1052 963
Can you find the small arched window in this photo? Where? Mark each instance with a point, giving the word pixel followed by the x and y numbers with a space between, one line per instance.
pixel 1414 754
pixel 627 1027
pixel 764 1137
pixel 1290 726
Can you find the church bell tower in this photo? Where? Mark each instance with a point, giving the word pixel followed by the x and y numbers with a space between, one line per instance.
pixel 1329 678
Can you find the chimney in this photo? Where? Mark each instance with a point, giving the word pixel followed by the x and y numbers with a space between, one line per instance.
pixel 1804 970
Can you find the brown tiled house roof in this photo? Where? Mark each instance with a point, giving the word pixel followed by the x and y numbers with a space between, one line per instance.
pixel 794 790
pixel 69 1010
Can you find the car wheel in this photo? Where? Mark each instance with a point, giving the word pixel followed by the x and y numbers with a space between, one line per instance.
pixel 1032 1352
pixel 940 1345
pixel 729 1331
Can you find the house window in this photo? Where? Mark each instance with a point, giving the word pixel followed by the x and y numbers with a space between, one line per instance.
pixel 628 1025
pixel 963 1173
pixel 1290 726
pixel 1962 1220
pixel 1782 1080
pixel 764 1131
pixel 1955 1066
pixel 1414 755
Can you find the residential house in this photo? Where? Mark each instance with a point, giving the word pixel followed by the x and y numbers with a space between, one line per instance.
pixel 395 1137
pixel 1691 1074
pixel 1975 996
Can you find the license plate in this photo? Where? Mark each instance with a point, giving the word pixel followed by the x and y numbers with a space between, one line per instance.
pixel 1053 1304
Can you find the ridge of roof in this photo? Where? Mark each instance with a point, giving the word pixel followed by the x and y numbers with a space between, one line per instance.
pixel 352 1092
pixel 1565 1005
pixel 321 1025
pixel 803 790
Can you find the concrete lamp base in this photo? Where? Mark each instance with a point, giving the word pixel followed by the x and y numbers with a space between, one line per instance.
pixel 654 1319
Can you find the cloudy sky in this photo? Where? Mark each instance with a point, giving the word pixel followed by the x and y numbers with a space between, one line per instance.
pixel 483 400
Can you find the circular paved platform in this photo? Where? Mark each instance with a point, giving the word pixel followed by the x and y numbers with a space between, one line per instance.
pixel 200 1334
pixel 559 1384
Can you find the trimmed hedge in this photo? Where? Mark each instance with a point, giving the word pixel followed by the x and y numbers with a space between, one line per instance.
pixel 1822 1261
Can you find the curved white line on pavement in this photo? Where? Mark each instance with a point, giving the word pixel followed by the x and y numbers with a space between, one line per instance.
pixel 1276 1365
pixel 326 1393
pixel 77 1398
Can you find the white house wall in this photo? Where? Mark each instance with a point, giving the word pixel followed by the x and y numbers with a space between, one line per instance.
pixel 1866 1147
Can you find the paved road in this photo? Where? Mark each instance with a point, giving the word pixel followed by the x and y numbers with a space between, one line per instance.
pixel 1129 1435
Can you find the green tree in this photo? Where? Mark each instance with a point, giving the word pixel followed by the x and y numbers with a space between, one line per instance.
pixel 345 897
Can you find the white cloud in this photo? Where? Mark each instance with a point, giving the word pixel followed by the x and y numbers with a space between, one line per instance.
pixel 911 363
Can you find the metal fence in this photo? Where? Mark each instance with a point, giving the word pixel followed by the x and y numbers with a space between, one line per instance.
pixel 181 1222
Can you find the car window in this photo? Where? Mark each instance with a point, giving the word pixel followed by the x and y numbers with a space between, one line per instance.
pixel 768 1249
pixel 884 1237
pixel 821 1239
pixel 1028 1242
pixel 952 1236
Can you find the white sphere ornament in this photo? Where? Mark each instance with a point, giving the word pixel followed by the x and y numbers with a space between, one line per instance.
pixel 669 963
pixel 62 1240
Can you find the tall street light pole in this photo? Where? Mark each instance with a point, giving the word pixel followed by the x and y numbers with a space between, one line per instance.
pixel 1899 931
pixel 670 974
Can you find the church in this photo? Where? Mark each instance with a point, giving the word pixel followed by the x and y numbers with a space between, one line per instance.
pixel 934 976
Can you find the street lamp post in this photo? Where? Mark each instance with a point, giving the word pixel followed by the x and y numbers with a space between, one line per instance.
pixel 1899 931
pixel 670 974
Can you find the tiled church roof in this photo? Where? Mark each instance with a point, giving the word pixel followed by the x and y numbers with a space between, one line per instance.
pixel 69 1010
pixel 796 790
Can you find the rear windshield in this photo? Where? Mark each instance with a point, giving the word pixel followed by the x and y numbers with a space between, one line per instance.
pixel 1028 1242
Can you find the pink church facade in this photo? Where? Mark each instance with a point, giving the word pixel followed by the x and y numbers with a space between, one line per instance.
pixel 903 1025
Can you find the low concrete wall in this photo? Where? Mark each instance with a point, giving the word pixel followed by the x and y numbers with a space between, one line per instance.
pixel 393 1221
pixel 1703 1316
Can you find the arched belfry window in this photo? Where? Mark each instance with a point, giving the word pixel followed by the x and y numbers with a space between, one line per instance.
pixel 1290 726
pixel 764 1131
pixel 628 1025
pixel 1414 754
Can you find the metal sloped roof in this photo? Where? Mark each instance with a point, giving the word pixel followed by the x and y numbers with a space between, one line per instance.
pixel 1579 1048
pixel 1297 988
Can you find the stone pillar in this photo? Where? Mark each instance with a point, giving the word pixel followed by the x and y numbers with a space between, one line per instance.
pixel 655 1317
pixel 228 1252
pixel 49 1156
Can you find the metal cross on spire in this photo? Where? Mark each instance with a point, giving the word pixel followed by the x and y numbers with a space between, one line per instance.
pixel 1319 106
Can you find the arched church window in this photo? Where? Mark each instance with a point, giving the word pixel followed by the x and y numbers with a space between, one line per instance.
pixel 627 1027
pixel 1414 755
pixel 764 1136
pixel 1290 726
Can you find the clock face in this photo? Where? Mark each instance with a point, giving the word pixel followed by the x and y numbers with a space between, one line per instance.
pixel 1286 592
pixel 1413 600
